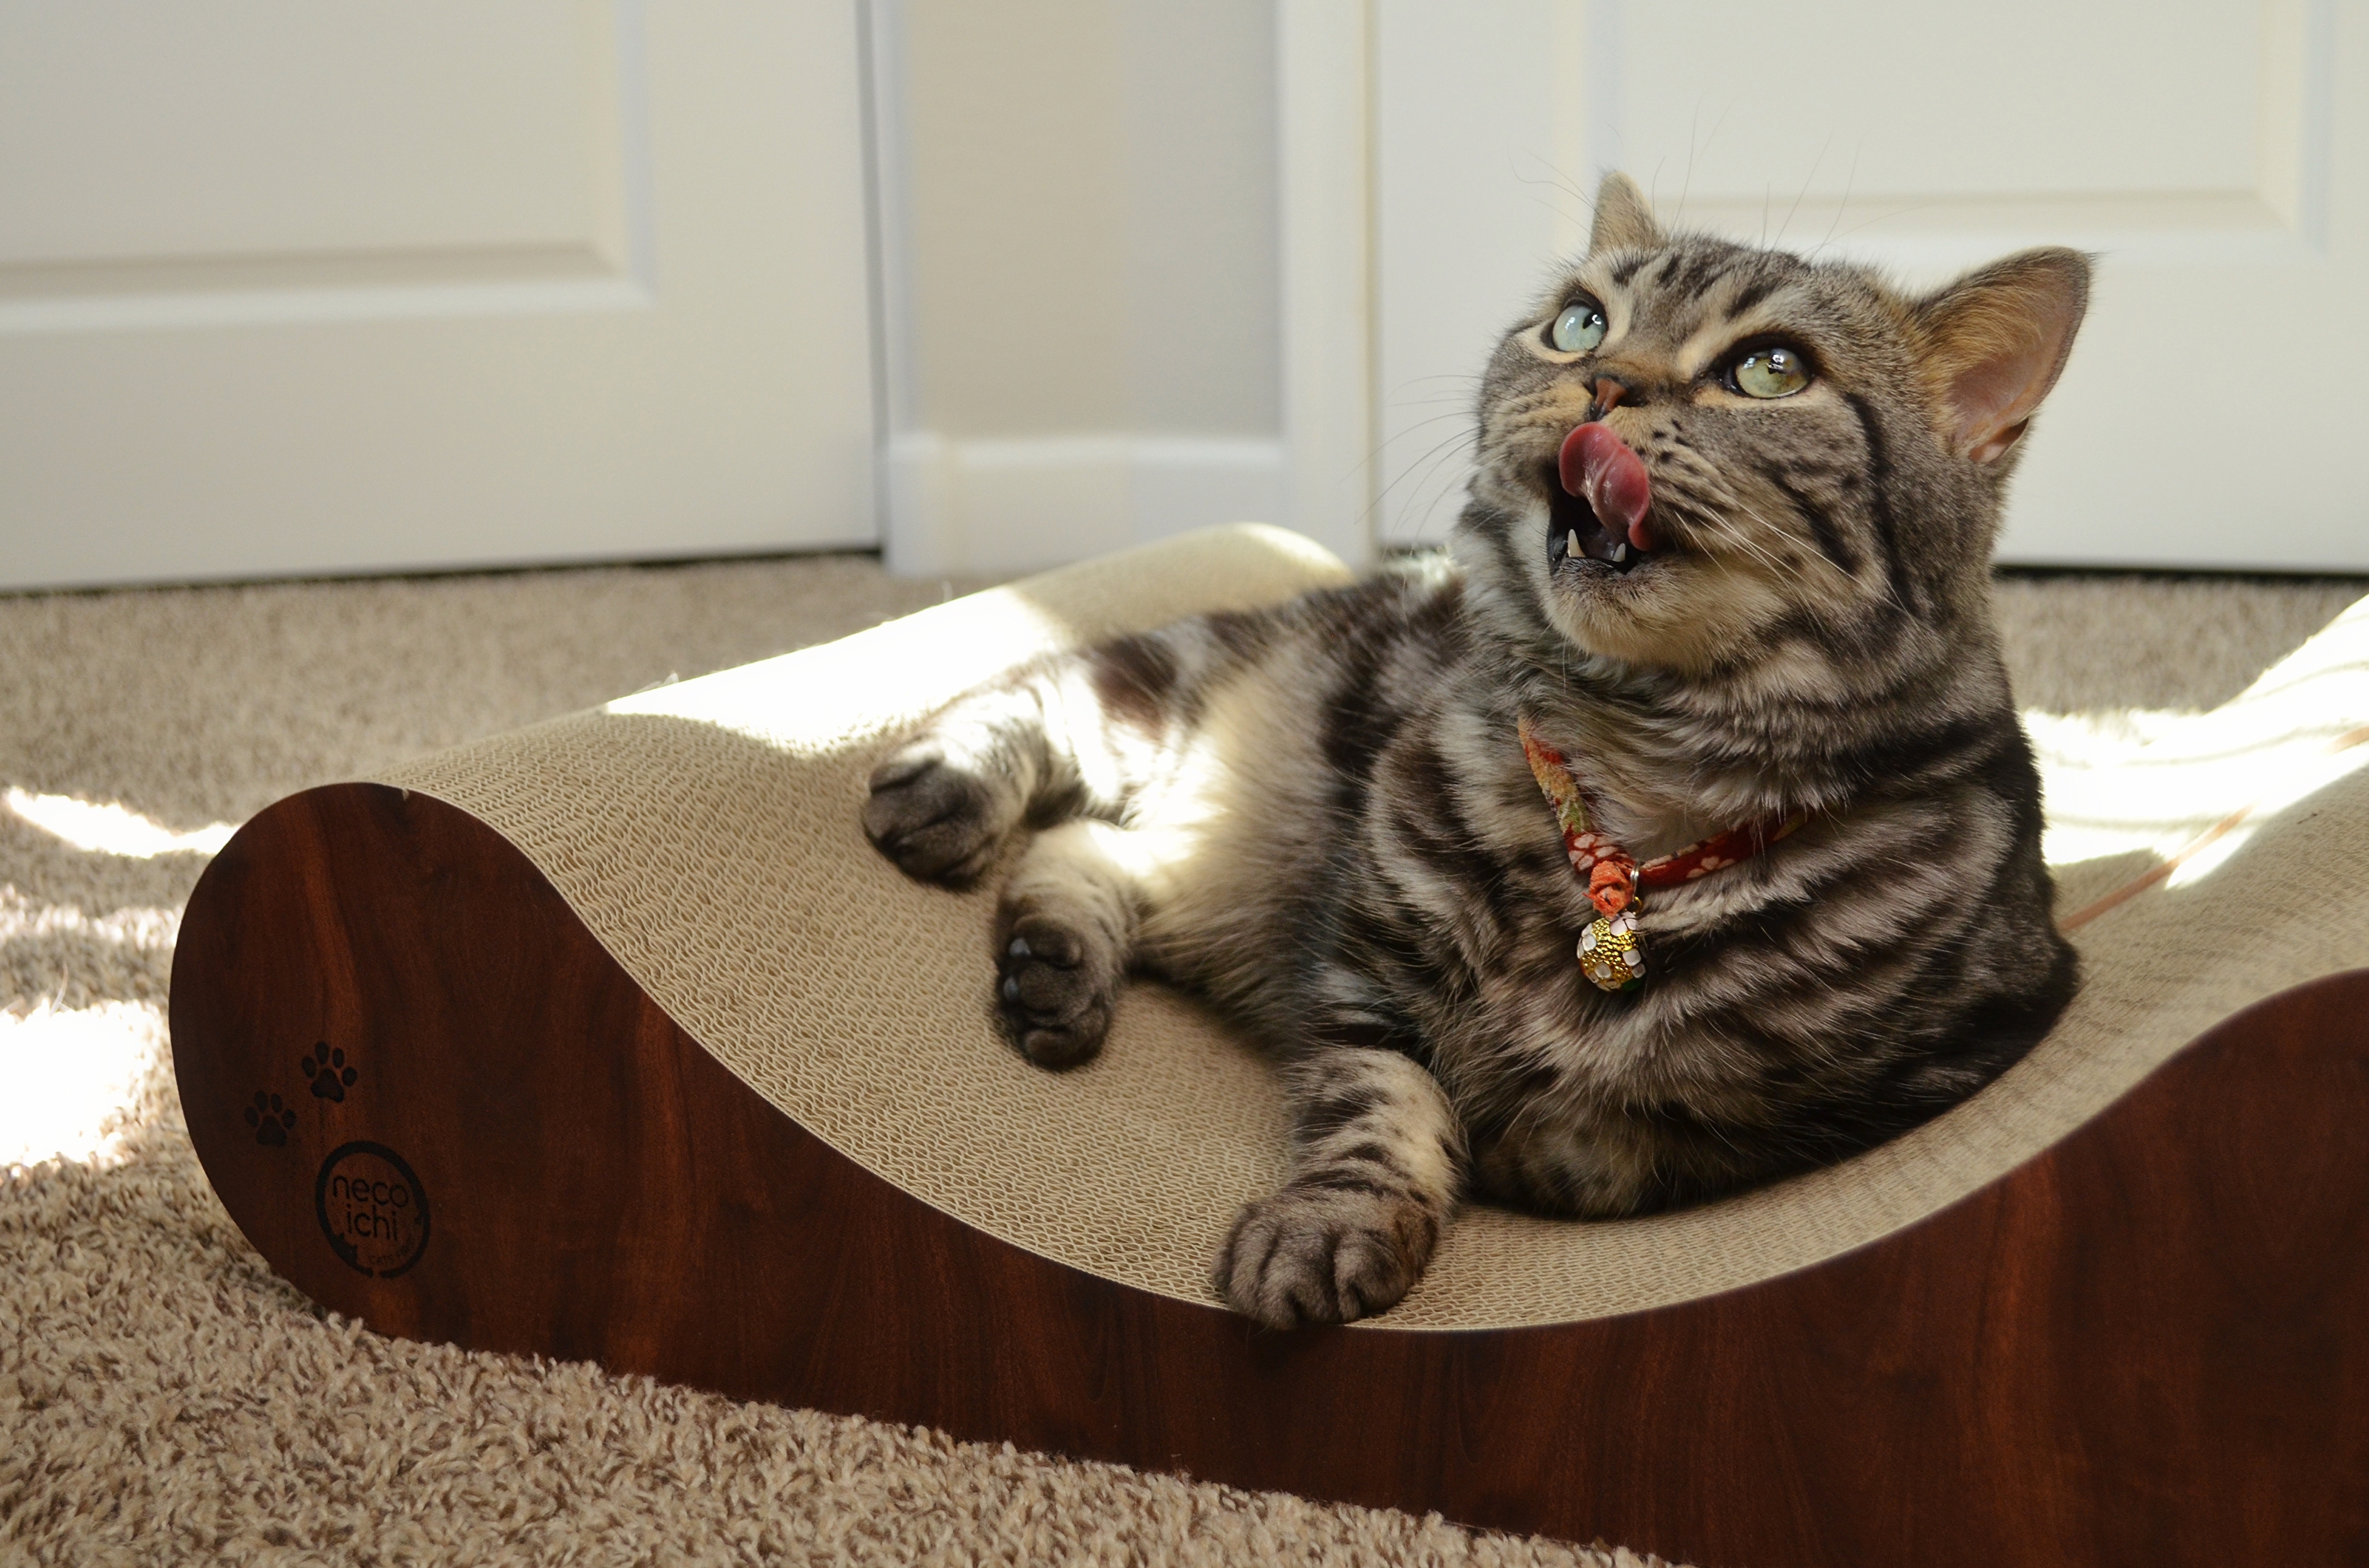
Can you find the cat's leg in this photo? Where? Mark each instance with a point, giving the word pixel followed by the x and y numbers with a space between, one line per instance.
pixel 1063 931
pixel 1377 1164
pixel 943 803
pixel 1067 736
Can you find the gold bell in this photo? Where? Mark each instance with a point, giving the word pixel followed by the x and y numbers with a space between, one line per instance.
pixel 1610 955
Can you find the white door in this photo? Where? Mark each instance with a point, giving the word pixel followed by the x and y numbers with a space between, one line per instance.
pixel 2214 154
pixel 308 286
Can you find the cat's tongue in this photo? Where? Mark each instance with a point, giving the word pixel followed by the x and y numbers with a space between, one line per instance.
pixel 1599 464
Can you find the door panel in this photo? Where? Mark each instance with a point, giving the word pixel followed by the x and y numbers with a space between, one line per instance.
pixel 293 288
pixel 2211 153
pixel 438 126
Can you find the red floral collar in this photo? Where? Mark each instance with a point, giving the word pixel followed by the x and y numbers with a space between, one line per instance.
pixel 1610 952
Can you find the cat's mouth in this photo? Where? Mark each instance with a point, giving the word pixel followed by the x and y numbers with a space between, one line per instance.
pixel 1574 534
pixel 1598 497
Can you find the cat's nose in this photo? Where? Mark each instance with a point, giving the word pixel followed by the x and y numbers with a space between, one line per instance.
pixel 1609 394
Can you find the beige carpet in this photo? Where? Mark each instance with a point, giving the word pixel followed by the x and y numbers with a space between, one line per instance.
pixel 163 1396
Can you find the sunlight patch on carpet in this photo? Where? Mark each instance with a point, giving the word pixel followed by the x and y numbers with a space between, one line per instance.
pixel 72 1079
pixel 106 827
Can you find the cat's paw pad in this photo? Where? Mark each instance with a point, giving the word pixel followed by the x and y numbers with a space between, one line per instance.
pixel 1312 1254
pixel 327 1072
pixel 1055 990
pixel 931 815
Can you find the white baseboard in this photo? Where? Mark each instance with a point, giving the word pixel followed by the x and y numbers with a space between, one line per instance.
pixel 958 507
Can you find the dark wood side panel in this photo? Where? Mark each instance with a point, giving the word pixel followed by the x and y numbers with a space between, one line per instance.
pixel 2146 1346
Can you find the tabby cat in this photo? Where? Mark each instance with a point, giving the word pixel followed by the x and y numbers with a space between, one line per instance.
pixel 1726 557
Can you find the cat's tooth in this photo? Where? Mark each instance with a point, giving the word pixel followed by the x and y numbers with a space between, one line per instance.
pixel 1571 542
pixel 1619 553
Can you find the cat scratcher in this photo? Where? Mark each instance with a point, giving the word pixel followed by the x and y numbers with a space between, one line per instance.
pixel 613 1039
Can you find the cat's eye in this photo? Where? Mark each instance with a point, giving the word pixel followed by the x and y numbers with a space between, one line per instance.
pixel 1771 373
pixel 1579 328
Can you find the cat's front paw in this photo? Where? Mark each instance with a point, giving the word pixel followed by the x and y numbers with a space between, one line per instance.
pixel 1054 986
pixel 1314 1255
pixel 938 819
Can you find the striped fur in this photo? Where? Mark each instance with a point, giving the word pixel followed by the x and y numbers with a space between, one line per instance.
pixel 1318 816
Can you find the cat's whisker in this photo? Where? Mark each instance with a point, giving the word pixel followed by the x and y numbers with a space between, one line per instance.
pixel 1416 381
pixel 1807 181
pixel 1884 216
pixel 1377 452
pixel 1441 461
pixel 1793 568
pixel 1724 523
pixel 1733 504
pixel 1850 183
pixel 1432 453
pixel 1725 504
pixel 1437 454
pixel 1428 420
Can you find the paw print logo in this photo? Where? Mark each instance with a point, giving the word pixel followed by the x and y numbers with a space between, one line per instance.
pixel 271 1120
pixel 330 1075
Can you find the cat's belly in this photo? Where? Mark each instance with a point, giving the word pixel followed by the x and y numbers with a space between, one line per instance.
pixel 1234 853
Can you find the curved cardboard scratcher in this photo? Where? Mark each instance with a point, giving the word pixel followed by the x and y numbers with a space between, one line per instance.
pixel 611 1040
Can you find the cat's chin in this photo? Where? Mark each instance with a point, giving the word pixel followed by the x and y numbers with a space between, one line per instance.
pixel 1676 612
pixel 1620 612
pixel 1669 610
pixel 1601 595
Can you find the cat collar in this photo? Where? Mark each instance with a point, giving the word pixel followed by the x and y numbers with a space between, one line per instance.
pixel 1610 952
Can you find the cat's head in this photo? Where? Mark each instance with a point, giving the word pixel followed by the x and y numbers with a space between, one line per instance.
pixel 1694 453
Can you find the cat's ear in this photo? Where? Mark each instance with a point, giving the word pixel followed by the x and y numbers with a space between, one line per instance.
pixel 1623 219
pixel 1995 341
